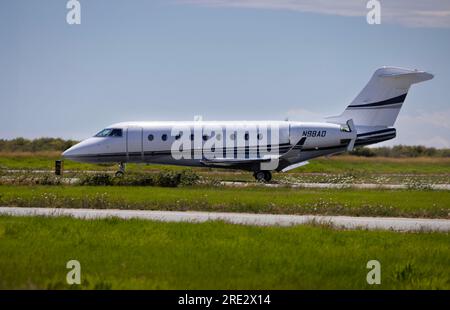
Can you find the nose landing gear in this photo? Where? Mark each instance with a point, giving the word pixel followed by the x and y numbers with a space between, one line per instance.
pixel 263 176
pixel 121 171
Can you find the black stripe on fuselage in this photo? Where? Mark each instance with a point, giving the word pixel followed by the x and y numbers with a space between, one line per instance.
pixel 373 140
pixel 387 102
pixel 283 148
pixel 340 146
pixel 393 130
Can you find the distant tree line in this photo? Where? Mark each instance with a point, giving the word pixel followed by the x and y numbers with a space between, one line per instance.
pixel 35 145
pixel 401 151
pixel 58 144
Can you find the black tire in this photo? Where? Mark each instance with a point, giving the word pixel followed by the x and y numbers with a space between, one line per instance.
pixel 260 176
pixel 263 176
pixel 119 174
pixel 267 176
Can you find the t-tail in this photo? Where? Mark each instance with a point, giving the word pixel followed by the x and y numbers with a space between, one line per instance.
pixel 376 107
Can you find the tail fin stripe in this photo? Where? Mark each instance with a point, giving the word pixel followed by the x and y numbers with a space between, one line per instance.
pixel 395 100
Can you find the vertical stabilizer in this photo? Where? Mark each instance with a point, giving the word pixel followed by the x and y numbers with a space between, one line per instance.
pixel 380 101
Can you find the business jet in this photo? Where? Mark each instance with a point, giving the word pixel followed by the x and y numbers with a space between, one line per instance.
pixel 260 147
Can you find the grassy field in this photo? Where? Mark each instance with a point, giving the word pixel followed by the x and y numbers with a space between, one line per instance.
pixel 336 164
pixel 136 254
pixel 378 165
pixel 406 203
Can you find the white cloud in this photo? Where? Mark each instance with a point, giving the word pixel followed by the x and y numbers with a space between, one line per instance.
pixel 303 115
pixel 431 129
pixel 425 13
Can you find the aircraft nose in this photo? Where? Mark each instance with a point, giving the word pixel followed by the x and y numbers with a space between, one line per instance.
pixel 82 149
pixel 72 151
pixel 85 151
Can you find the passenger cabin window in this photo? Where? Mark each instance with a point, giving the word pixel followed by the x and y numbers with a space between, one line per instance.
pixel 150 137
pixel 110 132
pixel 164 137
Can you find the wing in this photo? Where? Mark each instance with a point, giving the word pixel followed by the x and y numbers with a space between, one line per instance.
pixel 236 161
pixel 228 162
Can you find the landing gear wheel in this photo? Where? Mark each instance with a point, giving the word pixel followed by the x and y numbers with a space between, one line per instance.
pixel 267 176
pixel 263 176
pixel 259 176
pixel 121 171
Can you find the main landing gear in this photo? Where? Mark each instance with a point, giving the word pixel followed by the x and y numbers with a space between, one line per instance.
pixel 121 170
pixel 263 176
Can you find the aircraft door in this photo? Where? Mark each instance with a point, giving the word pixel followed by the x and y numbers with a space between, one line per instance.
pixel 135 141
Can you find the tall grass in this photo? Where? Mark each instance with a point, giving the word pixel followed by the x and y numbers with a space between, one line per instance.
pixel 135 254
pixel 404 203
pixel 336 164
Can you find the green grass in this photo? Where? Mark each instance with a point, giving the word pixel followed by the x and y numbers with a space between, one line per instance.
pixel 136 254
pixel 411 180
pixel 406 203
pixel 378 165
pixel 336 164
pixel 42 161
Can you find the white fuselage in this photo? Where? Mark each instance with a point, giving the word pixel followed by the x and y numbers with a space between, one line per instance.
pixel 238 144
pixel 260 146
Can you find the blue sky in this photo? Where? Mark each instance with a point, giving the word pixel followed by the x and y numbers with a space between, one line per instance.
pixel 225 60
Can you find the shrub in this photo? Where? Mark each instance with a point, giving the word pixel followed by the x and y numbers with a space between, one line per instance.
pixel 168 179
pixel 401 151
pixel 48 179
pixel 31 179
pixel 96 179
pixel 164 178
pixel 36 145
pixel 363 151
pixel 135 180
pixel 188 177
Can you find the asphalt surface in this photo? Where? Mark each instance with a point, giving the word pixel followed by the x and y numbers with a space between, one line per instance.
pixel 346 222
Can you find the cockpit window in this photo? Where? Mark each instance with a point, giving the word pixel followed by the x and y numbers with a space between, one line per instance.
pixel 110 132
pixel 104 133
pixel 116 132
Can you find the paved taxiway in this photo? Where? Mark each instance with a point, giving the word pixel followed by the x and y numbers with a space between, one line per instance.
pixel 347 222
